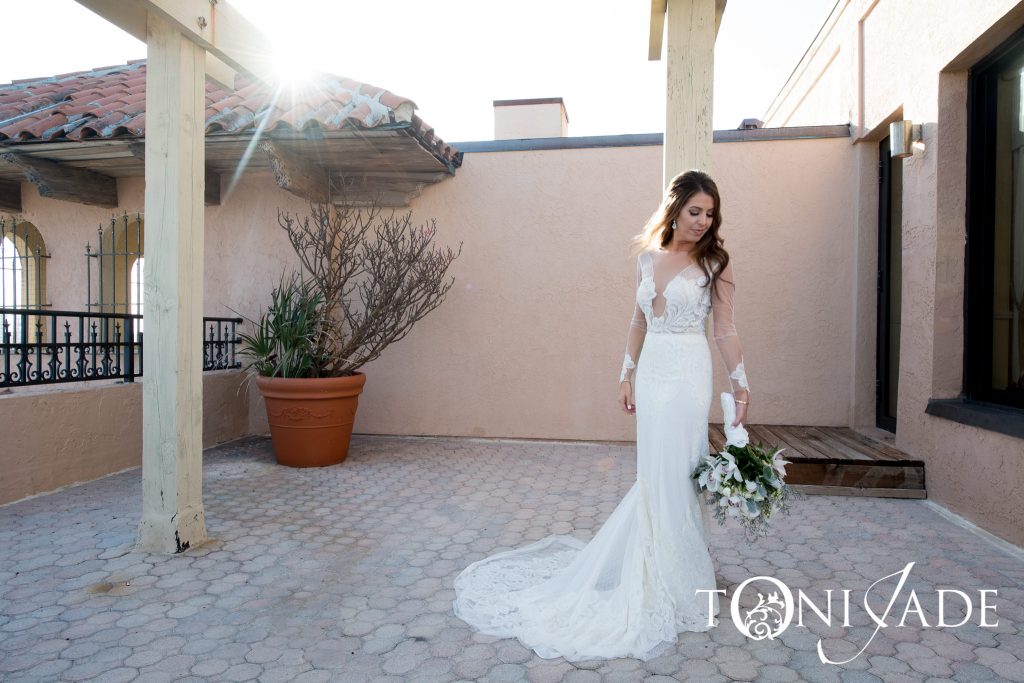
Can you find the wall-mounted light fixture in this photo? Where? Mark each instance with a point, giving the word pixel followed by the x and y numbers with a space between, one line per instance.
pixel 902 136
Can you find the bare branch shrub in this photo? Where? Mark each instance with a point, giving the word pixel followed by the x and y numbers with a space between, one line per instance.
pixel 378 273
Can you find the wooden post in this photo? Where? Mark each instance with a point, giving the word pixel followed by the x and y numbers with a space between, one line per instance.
pixel 690 36
pixel 172 447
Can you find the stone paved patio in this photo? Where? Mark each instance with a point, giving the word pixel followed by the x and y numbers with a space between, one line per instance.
pixel 345 574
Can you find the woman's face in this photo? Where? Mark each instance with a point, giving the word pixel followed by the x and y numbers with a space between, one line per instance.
pixel 695 217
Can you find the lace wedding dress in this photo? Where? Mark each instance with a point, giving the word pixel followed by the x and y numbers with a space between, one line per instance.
pixel 634 586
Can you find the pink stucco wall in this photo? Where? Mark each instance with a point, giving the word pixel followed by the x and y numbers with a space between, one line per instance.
pixel 530 341
pixel 870 48
pixel 59 435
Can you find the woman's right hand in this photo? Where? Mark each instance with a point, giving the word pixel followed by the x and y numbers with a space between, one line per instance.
pixel 626 397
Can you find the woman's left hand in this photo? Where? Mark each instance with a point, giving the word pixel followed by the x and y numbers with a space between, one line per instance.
pixel 741 408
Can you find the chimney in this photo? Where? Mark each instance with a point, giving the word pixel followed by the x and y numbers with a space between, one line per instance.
pixel 537 118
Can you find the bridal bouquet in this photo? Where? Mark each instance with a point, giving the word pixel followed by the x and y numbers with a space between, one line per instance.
pixel 744 480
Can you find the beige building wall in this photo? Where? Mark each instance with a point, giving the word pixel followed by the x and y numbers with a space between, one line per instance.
pixel 908 59
pixel 530 342
pixel 58 435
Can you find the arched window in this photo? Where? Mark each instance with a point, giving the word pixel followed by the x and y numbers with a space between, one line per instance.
pixel 115 266
pixel 135 289
pixel 12 270
pixel 22 271
pixel 12 284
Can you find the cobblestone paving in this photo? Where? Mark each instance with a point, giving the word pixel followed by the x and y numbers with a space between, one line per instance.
pixel 345 574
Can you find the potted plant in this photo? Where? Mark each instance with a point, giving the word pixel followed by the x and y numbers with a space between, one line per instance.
pixel 367 277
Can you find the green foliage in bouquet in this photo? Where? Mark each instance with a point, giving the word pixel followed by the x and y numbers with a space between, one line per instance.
pixel 746 483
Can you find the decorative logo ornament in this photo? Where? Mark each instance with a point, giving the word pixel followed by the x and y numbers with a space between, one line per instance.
pixel 760 620
pixel 764 620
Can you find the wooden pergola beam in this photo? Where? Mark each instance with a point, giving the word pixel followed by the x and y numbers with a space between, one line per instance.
pixel 295 174
pixel 10 196
pixel 657 30
pixel 658 10
pixel 220 29
pixel 58 181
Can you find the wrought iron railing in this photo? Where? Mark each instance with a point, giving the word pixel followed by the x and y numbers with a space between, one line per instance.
pixel 53 347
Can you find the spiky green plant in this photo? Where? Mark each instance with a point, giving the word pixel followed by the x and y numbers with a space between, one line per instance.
pixel 290 338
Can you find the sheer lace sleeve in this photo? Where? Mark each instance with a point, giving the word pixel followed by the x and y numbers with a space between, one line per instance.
pixel 728 340
pixel 635 336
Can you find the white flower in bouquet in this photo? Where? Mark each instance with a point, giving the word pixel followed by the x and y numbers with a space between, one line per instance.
pixel 710 479
pixel 778 464
pixel 743 481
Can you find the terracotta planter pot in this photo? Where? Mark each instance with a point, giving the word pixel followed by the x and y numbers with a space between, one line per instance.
pixel 311 419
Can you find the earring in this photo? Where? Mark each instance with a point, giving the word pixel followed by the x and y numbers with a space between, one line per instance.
pixel 673 224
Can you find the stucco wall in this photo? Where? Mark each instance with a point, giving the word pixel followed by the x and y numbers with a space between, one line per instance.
pixel 909 60
pixel 59 435
pixel 531 340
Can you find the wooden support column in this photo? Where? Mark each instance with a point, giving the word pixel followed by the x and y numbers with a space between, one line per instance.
pixel 138 150
pixel 690 34
pixel 172 447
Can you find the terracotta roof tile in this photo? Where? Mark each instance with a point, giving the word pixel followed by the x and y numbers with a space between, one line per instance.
pixel 110 102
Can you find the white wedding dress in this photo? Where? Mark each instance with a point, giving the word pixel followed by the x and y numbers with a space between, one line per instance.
pixel 634 586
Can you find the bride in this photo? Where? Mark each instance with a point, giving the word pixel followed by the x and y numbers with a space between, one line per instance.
pixel 646 575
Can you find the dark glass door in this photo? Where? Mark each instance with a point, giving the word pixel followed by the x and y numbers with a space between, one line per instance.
pixel 889 279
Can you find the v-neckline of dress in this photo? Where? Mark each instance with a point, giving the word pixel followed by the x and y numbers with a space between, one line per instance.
pixel 668 282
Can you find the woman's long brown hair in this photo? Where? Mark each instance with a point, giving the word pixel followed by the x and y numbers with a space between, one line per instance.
pixel 709 253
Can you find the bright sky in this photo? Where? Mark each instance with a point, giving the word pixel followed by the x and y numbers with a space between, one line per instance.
pixel 454 57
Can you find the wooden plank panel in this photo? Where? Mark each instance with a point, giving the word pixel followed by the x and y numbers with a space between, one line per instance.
pixel 761 433
pixel 810 446
pixel 841 449
pixel 716 437
pixel 794 448
pixel 866 492
pixel 822 463
pixel 838 435
pixel 837 473
pixel 884 450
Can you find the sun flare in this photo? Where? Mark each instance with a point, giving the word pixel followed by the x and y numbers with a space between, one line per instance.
pixel 293 68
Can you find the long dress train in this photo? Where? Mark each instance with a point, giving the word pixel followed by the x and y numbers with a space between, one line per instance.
pixel 647 573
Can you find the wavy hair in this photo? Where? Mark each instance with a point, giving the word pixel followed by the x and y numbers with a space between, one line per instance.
pixel 709 253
